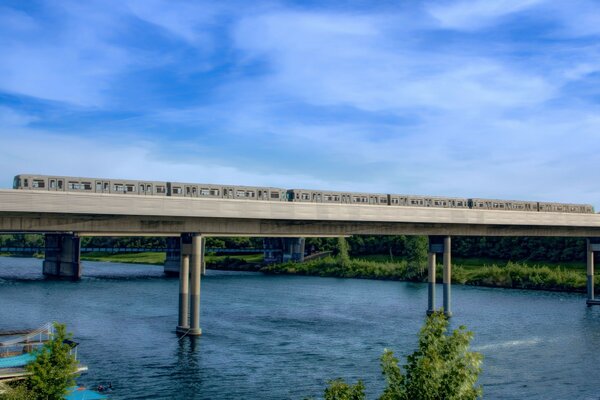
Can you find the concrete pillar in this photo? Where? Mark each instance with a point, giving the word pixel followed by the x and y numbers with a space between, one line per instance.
pixel 431 282
pixel 184 299
pixel 447 275
pixel 196 267
pixel 293 249
pixel 173 256
pixel 62 256
pixel 203 258
pixel 590 273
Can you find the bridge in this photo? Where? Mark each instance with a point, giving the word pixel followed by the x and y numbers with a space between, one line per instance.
pixel 66 216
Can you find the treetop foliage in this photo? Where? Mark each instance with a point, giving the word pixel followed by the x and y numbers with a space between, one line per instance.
pixel 442 368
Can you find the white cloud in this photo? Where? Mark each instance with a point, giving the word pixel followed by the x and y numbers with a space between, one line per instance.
pixel 358 63
pixel 184 20
pixel 475 14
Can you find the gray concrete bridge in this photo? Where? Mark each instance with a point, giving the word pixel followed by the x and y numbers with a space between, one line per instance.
pixel 66 216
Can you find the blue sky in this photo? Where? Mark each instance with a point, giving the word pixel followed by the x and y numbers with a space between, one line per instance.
pixel 481 98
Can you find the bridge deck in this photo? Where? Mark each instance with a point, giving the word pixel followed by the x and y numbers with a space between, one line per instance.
pixel 33 211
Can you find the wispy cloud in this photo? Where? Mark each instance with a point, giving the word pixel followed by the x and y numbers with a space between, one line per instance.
pixel 484 98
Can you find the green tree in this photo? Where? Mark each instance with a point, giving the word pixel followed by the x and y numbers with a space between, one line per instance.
pixel 417 248
pixel 442 368
pixel 18 391
pixel 340 390
pixel 343 252
pixel 54 369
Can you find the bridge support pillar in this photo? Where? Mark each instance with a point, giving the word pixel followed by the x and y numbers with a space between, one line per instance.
pixel 202 257
pixel 431 282
pixel 439 244
pixel 592 245
pixel 447 275
pixel 62 256
pixel 196 267
pixel 184 283
pixel 173 256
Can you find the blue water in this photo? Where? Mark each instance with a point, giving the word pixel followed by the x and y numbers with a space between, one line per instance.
pixel 279 337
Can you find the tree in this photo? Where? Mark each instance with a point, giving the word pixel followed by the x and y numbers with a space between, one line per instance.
pixel 441 368
pixel 343 252
pixel 340 390
pixel 417 248
pixel 54 369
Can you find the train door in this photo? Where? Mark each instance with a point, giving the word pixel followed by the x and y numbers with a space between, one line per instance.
pixel 99 186
pixel 53 184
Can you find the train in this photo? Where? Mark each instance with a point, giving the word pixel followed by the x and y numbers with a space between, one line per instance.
pixel 264 193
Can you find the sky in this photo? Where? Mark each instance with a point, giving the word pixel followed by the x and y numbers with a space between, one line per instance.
pixel 479 98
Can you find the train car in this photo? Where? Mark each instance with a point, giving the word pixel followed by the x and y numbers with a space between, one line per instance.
pixel 428 201
pixel 89 185
pixel 226 191
pixel 507 205
pixel 566 208
pixel 320 196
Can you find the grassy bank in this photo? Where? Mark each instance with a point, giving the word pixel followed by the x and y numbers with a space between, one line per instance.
pixel 159 259
pixel 570 278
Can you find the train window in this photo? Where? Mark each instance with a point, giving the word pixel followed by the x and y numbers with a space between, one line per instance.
pixel 177 190
pixel 25 182
pixel 60 184
pixel 204 192
pixel 118 188
pixel 274 195
pixel 38 183
pixel 73 185
pixel 130 188
pixel 305 196
pixel 251 194
pixel 214 192
pixel 239 193
pixel 86 185
pixel 160 189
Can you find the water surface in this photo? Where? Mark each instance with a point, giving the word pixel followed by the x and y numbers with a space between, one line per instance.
pixel 280 337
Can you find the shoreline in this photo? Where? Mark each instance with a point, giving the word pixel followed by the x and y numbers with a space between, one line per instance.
pixel 511 275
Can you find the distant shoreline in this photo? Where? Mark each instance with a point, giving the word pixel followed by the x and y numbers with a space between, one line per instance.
pixel 484 273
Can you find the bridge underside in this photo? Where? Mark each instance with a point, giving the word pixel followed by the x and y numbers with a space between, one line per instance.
pixel 173 226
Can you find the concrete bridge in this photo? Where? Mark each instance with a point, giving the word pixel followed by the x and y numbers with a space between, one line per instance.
pixel 66 216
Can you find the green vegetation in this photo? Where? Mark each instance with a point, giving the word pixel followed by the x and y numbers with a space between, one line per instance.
pixel 537 263
pixel 441 368
pixel 128 258
pixel 158 258
pixel 509 275
pixel 52 373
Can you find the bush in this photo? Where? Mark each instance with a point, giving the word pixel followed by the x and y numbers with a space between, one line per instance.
pixel 441 368
pixel 54 369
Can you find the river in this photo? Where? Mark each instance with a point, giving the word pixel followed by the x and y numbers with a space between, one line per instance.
pixel 280 337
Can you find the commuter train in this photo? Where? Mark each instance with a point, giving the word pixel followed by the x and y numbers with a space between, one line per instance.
pixel 176 189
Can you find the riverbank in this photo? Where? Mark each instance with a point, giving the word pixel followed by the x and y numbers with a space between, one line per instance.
pixel 569 278
pixel 245 262
pixel 564 277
